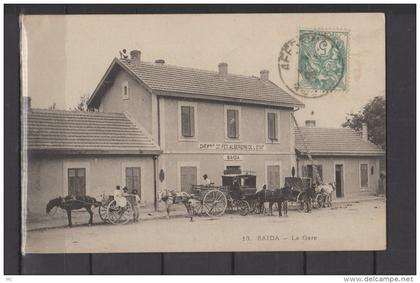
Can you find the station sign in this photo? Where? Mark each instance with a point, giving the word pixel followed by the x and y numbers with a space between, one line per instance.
pixel 232 157
pixel 231 147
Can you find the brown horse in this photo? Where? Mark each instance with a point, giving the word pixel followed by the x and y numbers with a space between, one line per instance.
pixel 70 203
pixel 279 196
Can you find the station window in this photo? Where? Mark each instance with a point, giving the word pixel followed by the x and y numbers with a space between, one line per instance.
pixel 308 171
pixel 77 181
pixel 187 121
pixel 133 179
pixel 272 126
pixel 232 122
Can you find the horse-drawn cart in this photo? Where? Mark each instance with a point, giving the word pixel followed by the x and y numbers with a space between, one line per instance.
pixel 301 187
pixel 304 192
pixel 237 194
pixel 110 212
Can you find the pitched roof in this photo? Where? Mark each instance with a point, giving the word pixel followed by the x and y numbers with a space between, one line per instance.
pixel 84 132
pixel 182 81
pixel 335 142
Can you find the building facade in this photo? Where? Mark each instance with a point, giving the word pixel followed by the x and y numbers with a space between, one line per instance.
pixel 204 122
pixel 154 126
pixel 83 153
pixel 341 156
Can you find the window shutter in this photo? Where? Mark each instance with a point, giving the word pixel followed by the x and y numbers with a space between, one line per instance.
pixel 128 177
pixel 230 123
pixel 272 126
pixel 192 122
pixel 236 123
pixel 233 123
pixel 310 171
pixel 304 171
pixel 319 168
pixel 186 121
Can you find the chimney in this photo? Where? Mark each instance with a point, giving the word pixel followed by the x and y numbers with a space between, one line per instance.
pixel 264 75
pixel 223 69
pixel 310 123
pixel 364 132
pixel 26 103
pixel 160 61
pixel 135 57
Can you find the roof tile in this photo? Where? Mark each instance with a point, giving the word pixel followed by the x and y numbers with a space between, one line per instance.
pixel 335 141
pixel 169 78
pixel 84 131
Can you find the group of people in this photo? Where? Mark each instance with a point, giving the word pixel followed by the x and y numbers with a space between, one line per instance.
pixel 120 197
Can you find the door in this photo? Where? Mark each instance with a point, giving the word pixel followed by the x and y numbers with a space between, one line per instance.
pixel 364 177
pixel 273 176
pixel 188 178
pixel 339 181
pixel 77 181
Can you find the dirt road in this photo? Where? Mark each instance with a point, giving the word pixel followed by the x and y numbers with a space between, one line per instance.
pixel 359 226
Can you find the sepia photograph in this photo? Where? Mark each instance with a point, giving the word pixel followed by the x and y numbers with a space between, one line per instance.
pixel 203 133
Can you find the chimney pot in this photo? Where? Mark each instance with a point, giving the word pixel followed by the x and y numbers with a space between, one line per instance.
pixel 160 61
pixel 264 75
pixel 223 69
pixel 135 57
pixel 310 123
pixel 364 132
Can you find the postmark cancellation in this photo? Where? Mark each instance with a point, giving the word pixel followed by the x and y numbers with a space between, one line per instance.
pixel 315 62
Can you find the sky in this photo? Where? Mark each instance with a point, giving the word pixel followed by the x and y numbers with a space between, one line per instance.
pixel 64 57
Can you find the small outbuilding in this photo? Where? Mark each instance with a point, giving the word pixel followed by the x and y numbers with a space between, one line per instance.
pixel 342 156
pixel 83 153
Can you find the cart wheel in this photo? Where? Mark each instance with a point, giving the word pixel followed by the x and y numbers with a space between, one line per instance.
pixel 253 206
pixel 214 203
pixel 119 215
pixel 243 207
pixel 319 200
pixel 103 213
pixel 300 202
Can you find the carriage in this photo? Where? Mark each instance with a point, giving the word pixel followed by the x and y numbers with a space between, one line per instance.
pixel 237 194
pixel 300 186
pixel 109 212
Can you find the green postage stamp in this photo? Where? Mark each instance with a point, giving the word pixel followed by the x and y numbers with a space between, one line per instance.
pixel 322 60
pixel 315 64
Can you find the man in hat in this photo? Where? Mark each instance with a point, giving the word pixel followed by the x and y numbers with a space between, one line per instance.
pixel 206 180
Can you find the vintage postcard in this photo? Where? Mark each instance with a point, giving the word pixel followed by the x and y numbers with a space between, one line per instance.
pixel 207 132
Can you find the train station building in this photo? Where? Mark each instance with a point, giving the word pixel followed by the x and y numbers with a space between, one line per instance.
pixel 203 121
pixel 156 126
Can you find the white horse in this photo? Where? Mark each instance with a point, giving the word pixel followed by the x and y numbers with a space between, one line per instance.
pixel 171 197
pixel 327 191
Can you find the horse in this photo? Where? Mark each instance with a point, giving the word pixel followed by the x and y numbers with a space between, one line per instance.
pixel 279 196
pixel 327 191
pixel 70 203
pixel 171 197
pixel 304 197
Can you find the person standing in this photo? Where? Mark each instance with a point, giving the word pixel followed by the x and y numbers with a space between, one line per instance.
pixel 136 205
pixel 119 197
